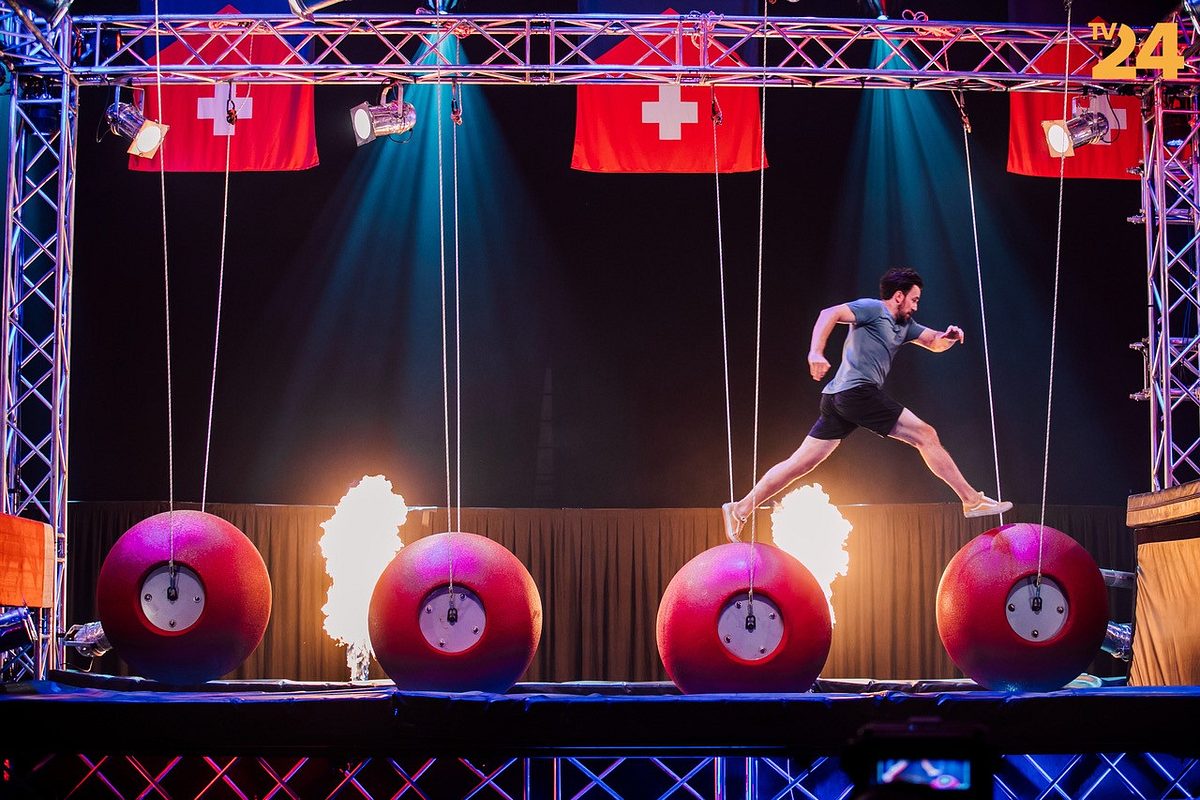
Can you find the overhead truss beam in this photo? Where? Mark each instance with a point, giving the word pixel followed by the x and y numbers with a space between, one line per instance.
pixel 565 49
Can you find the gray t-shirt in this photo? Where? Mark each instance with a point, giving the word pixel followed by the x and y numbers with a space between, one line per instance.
pixel 874 338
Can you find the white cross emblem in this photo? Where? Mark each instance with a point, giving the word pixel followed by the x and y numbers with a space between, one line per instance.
pixel 215 108
pixel 669 112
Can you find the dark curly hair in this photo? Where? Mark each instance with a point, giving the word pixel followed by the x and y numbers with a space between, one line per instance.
pixel 898 279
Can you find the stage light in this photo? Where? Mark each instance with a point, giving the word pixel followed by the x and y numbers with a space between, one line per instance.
pixel 389 117
pixel 1063 136
pixel 88 639
pixel 145 135
pixel 17 629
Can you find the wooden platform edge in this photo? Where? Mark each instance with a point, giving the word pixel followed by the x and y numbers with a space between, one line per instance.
pixel 1175 504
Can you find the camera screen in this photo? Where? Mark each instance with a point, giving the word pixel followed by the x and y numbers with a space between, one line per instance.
pixel 936 773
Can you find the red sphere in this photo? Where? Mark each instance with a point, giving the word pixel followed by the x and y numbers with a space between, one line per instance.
pixel 988 619
pixel 219 615
pixel 703 637
pixel 486 647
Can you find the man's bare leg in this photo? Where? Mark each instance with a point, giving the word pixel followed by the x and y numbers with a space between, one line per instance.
pixel 806 458
pixel 910 429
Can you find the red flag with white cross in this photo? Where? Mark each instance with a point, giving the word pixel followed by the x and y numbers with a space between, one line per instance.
pixel 274 127
pixel 1110 157
pixel 666 127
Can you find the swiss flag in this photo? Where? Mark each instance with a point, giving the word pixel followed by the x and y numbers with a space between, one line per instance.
pixel 1109 158
pixel 655 127
pixel 275 128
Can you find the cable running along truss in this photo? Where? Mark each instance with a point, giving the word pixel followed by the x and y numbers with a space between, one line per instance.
pixel 50 65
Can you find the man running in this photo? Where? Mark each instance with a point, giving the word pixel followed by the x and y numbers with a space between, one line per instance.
pixel 855 397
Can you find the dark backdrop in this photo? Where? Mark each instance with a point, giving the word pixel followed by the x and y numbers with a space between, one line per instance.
pixel 607 285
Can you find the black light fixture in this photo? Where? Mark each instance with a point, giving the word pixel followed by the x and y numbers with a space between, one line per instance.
pixel 17 629
pixel 389 117
pixel 127 121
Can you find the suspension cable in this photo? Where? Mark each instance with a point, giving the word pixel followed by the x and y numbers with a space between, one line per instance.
pixel 455 121
pixel 987 359
pixel 716 111
pixel 162 185
pixel 1062 165
pixel 442 257
pixel 452 611
pixel 212 389
pixel 716 121
pixel 762 181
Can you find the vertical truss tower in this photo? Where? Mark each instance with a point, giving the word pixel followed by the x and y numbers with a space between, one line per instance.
pixel 1171 206
pixel 36 327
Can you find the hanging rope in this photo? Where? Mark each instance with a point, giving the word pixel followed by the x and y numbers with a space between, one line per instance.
pixel 987 358
pixel 162 185
pixel 212 389
pixel 757 323
pixel 1062 165
pixel 452 611
pixel 716 121
pixel 762 182
pixel 442 258
pixel 456 120
pixel 716 118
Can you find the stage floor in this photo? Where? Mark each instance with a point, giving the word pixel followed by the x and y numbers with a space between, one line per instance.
pixel 76 712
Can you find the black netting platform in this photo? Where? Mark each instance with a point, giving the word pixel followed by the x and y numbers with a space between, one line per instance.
pixel 97 736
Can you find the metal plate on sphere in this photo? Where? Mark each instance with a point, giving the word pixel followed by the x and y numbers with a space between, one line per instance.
pixel 437 627
pixel 163 612
pixel 736 635
pixel 1026 620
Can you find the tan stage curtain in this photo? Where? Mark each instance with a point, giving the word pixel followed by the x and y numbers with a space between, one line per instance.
pixel 601 573
pixel 1166 650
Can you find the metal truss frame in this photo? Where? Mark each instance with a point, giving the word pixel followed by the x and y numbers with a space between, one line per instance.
pixel 561 49
pixel 1171 211
pixel 36 328
pixel 51 65
pixel 1149 776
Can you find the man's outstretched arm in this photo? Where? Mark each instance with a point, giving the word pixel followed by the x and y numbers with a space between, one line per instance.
pixel 940 341
pixel 818 365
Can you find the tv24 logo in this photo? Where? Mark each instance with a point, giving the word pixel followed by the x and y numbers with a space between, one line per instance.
pixel 1163 37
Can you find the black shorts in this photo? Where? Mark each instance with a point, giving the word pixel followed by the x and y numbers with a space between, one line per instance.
pixel 862 406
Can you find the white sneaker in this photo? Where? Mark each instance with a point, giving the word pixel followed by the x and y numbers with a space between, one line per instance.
pixel 733 523
pixel 986 507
